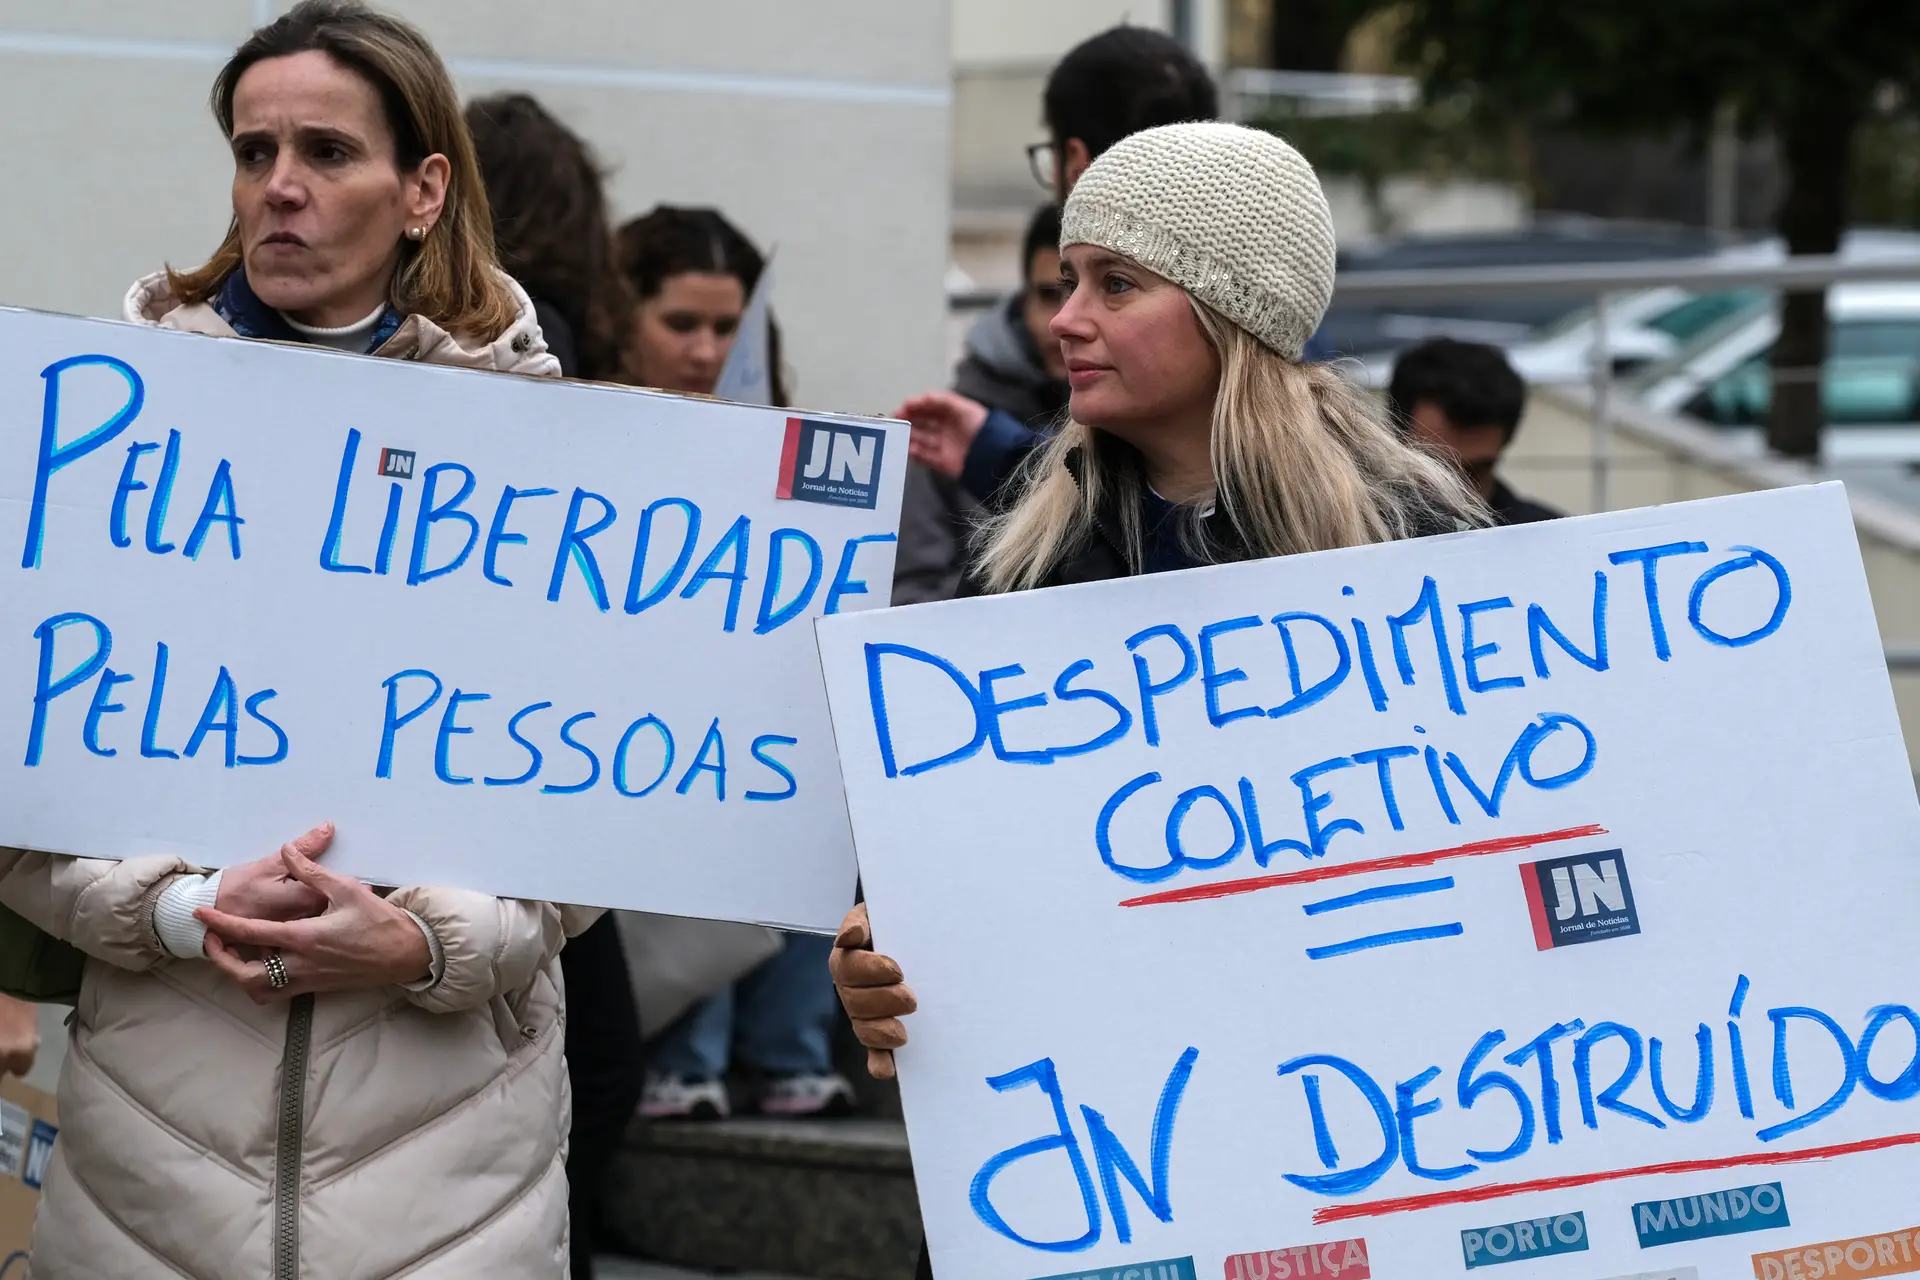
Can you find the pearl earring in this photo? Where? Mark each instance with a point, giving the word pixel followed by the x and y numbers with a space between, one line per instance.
pixel 416 233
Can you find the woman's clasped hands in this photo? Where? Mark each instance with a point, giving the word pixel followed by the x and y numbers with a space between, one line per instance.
pixel 283 926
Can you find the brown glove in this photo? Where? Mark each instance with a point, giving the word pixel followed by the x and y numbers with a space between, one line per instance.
pixel 871 991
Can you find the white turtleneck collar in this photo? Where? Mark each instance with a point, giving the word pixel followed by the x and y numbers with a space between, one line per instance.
pixel 352 337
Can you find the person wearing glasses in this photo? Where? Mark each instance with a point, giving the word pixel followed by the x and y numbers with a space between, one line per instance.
pixel 1465 399
pixel 1013 366
pixel 1106 88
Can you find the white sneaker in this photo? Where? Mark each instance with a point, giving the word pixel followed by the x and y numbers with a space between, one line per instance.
pixel 825 1094
pixel 672 1098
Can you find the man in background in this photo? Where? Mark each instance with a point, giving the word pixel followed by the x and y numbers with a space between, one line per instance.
pixel 1466 399
pixel 1110 86
pixel 1014 367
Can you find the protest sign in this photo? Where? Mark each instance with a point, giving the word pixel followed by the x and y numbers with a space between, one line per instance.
pixel 29 1126
pixel 747 376
pixel 537 639
pixel 1536 898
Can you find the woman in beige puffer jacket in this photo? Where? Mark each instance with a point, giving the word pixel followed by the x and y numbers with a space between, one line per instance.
pixel 393 1100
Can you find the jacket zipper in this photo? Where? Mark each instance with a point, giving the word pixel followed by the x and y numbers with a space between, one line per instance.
pixel 1100 524
pixel 287 1151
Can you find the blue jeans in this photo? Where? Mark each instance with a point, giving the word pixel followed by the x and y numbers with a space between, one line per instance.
pixel 778 1019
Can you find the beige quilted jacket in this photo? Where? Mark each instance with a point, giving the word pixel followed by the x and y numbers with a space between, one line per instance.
pixel 349 1136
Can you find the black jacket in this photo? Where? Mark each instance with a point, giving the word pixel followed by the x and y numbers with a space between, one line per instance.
pixel 1104 556
pixel 1510 508
pixel 559 335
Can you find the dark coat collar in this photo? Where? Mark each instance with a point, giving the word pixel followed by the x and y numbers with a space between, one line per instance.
pixel 1107 555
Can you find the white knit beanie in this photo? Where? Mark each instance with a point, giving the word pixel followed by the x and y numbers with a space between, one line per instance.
pixel 1232 215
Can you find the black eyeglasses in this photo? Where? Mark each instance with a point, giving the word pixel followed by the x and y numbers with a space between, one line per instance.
pixel 1040 161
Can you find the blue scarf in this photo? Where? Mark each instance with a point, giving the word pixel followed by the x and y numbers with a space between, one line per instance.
pixel 241 308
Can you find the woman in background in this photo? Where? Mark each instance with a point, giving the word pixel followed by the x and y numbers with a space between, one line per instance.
pixel 691 273
pixel 551 229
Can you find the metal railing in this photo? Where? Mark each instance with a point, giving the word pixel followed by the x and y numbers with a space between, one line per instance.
pixel 1604 281
pixel 1601 281
pixel 1601 278
pixel 1318 93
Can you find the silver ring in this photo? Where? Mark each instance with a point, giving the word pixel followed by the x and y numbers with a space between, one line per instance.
pixel 276 970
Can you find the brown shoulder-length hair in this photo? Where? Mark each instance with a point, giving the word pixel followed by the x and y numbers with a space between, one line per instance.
pixel 451 277
pixel 670 240
pixel 550 224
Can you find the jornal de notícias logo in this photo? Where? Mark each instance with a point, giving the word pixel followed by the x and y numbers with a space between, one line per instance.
pixel 397 463
pixel 1581 898
pixel 835 463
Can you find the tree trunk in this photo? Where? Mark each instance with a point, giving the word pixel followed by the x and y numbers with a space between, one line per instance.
pixel 1816 143
pixel 1309 35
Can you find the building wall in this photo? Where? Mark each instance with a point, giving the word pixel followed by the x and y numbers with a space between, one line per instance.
pixel 820 127
pixel 1002 51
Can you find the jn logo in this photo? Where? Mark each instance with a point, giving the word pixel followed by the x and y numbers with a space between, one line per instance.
pixel 397 463
pixel 851 457
pixel 831 462
pixel 1587 889
pixel 1583 898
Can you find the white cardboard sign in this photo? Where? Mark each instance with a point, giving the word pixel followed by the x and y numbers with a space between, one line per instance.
pixel 747 375
pixel 1537 899
pixel 538 639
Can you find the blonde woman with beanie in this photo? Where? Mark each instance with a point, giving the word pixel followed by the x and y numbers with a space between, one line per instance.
pixel 1197 259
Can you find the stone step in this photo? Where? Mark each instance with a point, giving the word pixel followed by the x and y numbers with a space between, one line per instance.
pixel 609 1267
pixel 821 1199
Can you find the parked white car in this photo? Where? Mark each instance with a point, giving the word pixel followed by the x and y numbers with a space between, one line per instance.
pixel 1870 384
pixel 1643 328
pixel 1650 325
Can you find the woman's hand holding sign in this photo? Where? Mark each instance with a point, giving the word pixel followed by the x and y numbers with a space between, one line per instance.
pixel 872 992
pixel 356 940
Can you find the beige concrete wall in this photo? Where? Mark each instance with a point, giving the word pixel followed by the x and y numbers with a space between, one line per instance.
pixel 1002 51
pixel 1655 460
pixel 820 126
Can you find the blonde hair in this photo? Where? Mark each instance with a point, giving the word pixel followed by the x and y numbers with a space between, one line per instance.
pixel 451 277
pixel 1302 461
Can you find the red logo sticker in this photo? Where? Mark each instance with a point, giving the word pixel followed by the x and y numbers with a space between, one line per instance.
pixel 789 454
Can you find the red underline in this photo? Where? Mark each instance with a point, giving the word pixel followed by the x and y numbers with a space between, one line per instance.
pixel 1501 1190
pixel 1478 849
